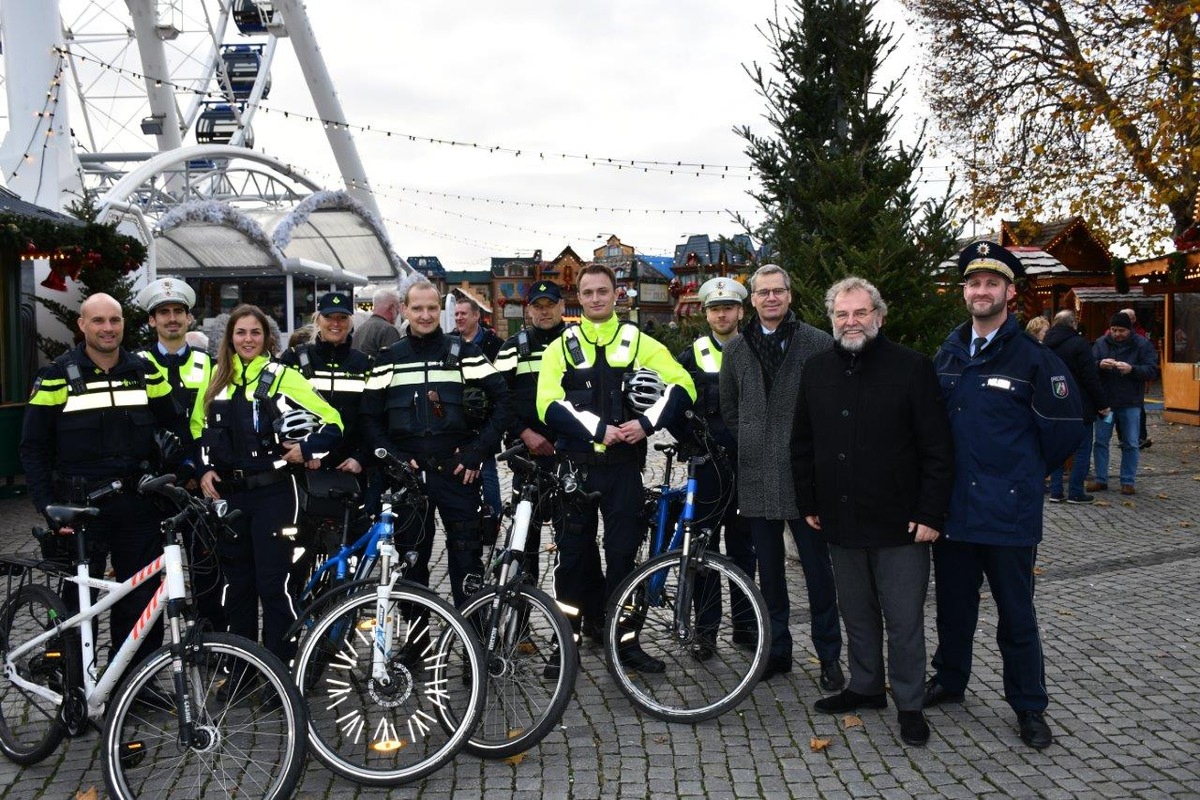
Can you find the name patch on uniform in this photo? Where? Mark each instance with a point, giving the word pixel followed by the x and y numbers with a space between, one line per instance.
pixel 1058 385
pixel 999 383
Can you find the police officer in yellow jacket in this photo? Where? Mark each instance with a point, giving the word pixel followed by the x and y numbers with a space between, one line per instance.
pixel 716 491
pixel 90 421
pixel 414 408
pixel 256 417
pixel 581 397
pixel 169 301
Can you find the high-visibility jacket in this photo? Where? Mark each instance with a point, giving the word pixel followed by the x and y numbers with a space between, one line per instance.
pixel 187 371
pixel 580 384
pixel 339 374
pixel 83 422
pixel 520 361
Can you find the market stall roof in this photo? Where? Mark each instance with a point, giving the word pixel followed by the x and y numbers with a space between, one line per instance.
pixel 11 203
pixel 326 236
pixel 1107 294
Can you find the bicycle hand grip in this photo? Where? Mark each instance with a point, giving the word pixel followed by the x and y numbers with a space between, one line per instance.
pixel 663 446
pixel 516 449
pixel 148 484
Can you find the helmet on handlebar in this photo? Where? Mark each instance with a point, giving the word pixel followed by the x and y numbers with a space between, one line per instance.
pixel 296 425
pixel 643 389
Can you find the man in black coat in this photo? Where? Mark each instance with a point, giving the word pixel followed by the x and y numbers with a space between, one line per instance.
pixel 873 461
pixel 1064 339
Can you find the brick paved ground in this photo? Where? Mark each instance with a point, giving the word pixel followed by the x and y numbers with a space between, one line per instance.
pixel 1119 614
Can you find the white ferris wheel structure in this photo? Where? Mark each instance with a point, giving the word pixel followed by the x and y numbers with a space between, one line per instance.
pixel 147 107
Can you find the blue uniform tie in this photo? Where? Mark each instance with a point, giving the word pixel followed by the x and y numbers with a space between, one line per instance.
pixel 979 343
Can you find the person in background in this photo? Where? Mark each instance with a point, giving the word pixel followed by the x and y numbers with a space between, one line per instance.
pixel 1138 330
pixel 467 322
pixel 1127 362
pixel 1037 328
pixel 1075 352
pixel 379 330
pixel 197 340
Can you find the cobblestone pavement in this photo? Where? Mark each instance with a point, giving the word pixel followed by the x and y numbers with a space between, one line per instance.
pixel 1118 599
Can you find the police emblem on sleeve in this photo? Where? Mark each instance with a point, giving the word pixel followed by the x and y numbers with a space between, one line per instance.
pixel 1058 385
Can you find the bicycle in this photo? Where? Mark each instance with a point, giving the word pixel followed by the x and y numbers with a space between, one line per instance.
pixel 207 714
pixel 393 674
pixel 678 605
pixel 532 656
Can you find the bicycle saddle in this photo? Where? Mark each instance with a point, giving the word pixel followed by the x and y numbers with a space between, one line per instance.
pixel 66 516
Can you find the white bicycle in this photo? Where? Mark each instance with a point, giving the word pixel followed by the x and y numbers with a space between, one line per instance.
pixel 208 715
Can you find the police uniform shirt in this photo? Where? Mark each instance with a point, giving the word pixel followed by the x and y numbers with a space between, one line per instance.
pixel 520 361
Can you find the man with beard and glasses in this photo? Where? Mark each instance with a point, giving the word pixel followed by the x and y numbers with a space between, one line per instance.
pixel 1015 414
pixel 759 383
pixel 873 463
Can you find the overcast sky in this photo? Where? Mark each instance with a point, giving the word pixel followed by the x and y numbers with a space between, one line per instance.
pixel 636 79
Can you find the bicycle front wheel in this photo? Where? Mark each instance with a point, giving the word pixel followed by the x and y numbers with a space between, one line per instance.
pixel 531 670
pixel 31 725
pixel 713 652
pixel 248 726
pixel 381 728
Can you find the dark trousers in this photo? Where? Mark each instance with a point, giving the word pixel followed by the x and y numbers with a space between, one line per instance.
pixel 127 531
pixel 818 578
pixel 716 509
pixel 959 568
pixel 578 580
pixel 878 586
pixel 257 565
pixel 460 509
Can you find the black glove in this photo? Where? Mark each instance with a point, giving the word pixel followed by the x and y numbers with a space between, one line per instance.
pixel 470 458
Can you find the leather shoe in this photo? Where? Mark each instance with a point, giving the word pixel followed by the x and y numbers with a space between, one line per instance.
pixel 914 729
pixel 832 678
pixel 936 694
pixel 1034 730
pixel 777 665
pixel 850 701
pixel 634 657
pixel 1095 486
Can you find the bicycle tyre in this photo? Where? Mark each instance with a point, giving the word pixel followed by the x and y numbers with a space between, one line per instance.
pixel 31 727
pixel 247 715
pixel 524 702
pixel 381 734
pixel 690 689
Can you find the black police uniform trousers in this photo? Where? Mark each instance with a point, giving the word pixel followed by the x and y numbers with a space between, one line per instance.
pixel 128 530
pixel 460 509
pixel 716 509
pixel 578 579
pixel 257 563
pixel 959 568
pixel 818 579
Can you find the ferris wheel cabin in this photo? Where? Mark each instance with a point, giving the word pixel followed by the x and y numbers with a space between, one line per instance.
pixel 242 64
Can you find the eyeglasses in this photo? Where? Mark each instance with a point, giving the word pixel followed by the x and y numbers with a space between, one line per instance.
pixel 859 315
pixel 763 294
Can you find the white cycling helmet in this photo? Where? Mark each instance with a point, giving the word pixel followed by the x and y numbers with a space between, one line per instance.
pixel 296 424
pixel 643 389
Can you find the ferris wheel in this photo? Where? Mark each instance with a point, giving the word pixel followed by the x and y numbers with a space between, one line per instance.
pixel 145 77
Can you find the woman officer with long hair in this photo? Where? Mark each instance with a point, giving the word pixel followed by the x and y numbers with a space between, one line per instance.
pixel 256 418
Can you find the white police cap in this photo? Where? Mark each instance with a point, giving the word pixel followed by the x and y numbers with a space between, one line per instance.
pixel 721 290
pixel 166 290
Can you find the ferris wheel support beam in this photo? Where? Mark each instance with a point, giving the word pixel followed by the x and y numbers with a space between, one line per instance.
pixel 37 157
pixel 325 98
pixel 159 93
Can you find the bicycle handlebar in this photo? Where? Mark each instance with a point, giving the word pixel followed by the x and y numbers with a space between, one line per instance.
pixel 164 485
pixel 515 450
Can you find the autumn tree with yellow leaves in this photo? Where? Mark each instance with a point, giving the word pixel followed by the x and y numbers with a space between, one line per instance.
pixel 1081 106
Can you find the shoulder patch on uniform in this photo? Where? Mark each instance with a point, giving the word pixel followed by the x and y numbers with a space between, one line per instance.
pixel 1059 385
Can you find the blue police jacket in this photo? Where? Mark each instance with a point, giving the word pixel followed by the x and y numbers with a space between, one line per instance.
pixel 1015 414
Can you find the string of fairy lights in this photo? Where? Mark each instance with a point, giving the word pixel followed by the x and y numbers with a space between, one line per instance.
pixel 672 167
pixel 49 106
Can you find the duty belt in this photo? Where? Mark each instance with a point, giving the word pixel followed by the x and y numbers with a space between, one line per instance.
pixel 620 456
pixel 243 480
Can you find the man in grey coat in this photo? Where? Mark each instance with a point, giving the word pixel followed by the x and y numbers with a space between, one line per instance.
pixel 760 382
pixel 380 330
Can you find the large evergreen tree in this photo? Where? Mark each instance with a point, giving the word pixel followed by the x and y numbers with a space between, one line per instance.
pixel 839 195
